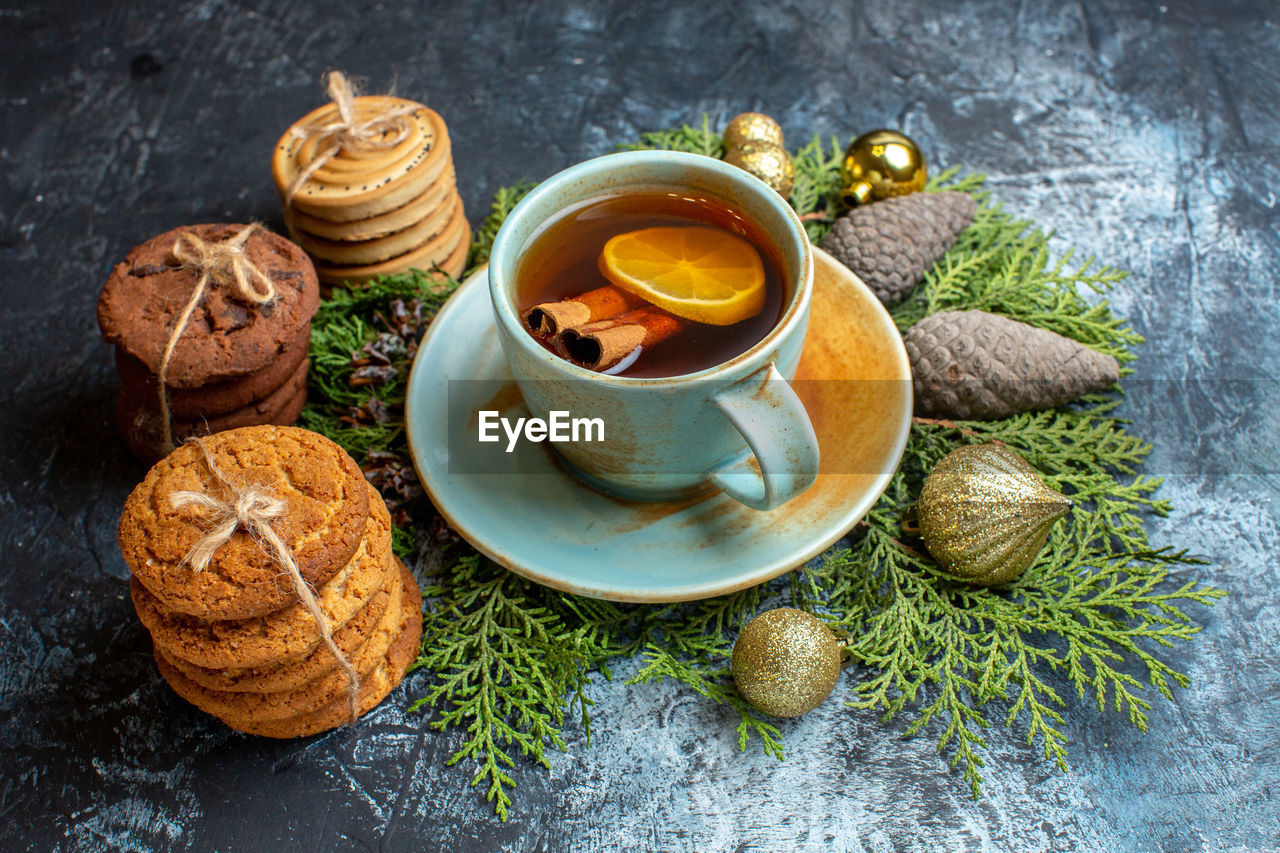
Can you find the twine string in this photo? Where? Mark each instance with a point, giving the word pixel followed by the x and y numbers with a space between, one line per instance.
pixel 223 263
pixel 379 132
pixel 251 509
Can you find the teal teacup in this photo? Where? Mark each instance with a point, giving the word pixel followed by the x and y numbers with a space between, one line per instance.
pixel 736 426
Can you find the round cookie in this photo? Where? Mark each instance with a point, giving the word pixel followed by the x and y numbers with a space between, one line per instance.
pixel 374 686
pixel 220 397
pixel 248 415
pixel 141 428
pixel 448 249
pixel 382 225
pixel 225 339
pixel 433 225
pixel 326 511
pixel 292 675
pixel 361 184
pixel 236 707
pixel 141 431
pixel 285 636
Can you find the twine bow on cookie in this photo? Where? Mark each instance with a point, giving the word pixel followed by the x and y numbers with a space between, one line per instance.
pixel 381 131
pixel 222 263
pixel 251 509
pixel 225 263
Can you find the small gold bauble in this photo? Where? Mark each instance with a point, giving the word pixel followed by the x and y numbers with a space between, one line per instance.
pixel 752 127
pixel 985 513
pixel 768 162
pixel 786 661
pixel 881 164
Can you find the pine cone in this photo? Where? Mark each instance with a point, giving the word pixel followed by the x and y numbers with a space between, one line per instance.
pixel 889 244
pixel 971 364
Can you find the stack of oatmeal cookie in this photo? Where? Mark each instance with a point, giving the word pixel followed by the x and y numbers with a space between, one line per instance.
pixel 233 638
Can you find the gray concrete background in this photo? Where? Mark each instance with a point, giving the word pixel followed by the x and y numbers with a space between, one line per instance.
pixel 1144 134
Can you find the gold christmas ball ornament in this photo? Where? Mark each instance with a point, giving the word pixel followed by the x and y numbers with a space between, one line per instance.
pixel 880 164
pixel 985 513
pixel 785 662
pixel 752 127
pixel 768 162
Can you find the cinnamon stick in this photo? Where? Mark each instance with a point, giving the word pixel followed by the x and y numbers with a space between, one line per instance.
pixel 603 303
pixel 605 343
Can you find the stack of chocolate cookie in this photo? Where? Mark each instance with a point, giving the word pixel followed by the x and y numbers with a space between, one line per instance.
pixel 235 363
pixel 234 639
pixel 379 206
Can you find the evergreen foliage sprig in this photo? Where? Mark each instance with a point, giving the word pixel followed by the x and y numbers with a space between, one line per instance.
pixel 509 663
pixel 348 320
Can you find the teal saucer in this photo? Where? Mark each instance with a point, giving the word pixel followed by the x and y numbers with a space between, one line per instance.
pixel 529 514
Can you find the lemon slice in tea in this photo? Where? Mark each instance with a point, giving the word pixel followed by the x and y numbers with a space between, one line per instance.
pixel 703 274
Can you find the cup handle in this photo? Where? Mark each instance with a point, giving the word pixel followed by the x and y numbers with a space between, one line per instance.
pixel 765 409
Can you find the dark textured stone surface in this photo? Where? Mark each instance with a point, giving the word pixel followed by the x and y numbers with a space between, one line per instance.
pixel 1142 133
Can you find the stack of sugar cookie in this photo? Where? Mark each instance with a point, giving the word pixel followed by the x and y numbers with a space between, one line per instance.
pixel 234 639
pixel 235 363
pixel 378 207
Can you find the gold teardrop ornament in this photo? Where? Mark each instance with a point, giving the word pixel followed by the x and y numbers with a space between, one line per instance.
pixel 881 164
pixel 768 162
pixel 985 514
pixel 751 127
pixel 786 662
